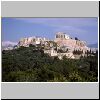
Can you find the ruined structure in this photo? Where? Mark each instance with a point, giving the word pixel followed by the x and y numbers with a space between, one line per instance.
pixel 32 40
pixel 63 39
pixel 62 45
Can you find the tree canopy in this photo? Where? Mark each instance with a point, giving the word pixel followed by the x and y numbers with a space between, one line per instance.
pixel 27 64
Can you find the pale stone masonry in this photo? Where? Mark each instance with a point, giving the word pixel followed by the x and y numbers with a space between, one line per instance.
pixel 31 40
pixel 62 42
pixel 61 35
pixel 72 43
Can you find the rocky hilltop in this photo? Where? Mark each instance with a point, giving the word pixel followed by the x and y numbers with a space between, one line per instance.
pixel 61 39
pixel 31 40
pixel 62 45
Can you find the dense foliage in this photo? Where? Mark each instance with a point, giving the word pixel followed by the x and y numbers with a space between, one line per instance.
pixel 28 64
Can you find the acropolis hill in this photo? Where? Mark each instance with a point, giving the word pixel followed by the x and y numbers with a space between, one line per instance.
pixel 62 45
pixel 63 39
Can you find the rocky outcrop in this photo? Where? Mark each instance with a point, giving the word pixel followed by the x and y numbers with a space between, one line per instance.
pixel 31 40
pixel 70 43
pixel 61 41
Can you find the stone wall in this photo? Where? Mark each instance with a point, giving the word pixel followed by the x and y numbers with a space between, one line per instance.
pixel 76 44
pixel 30 40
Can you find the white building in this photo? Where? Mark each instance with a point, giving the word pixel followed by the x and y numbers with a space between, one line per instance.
pixel 61 35
pixel 51 52
pixel 68 55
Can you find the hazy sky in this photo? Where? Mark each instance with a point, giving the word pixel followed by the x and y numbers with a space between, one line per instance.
pixel 85 29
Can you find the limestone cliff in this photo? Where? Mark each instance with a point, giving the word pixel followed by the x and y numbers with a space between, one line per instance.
pixel 61 39
pixel 31 40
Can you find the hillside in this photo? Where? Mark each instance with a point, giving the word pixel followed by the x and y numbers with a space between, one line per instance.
pixel 30 64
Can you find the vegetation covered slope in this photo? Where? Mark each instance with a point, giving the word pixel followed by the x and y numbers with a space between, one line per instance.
pixel 30 64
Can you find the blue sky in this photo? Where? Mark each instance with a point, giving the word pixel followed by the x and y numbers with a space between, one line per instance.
pixel 85 29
